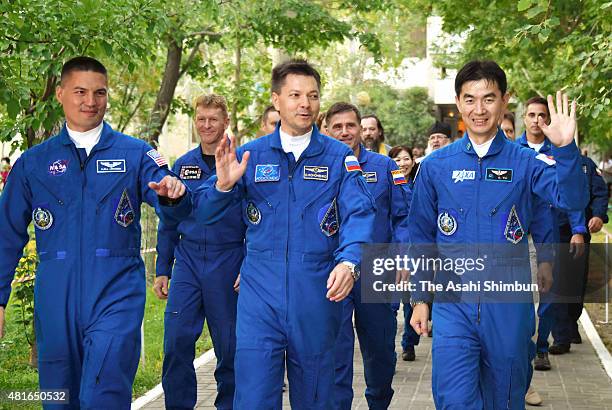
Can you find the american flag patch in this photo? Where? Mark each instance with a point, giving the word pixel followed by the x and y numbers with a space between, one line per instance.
pixel 351 164
pixel 157 157
pixel 398 177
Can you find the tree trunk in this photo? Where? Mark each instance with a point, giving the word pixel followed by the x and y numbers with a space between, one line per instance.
pixel 161 109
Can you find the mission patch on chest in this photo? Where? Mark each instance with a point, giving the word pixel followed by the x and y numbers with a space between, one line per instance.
pixel 499 175
pixel 190 172
pixel 316 172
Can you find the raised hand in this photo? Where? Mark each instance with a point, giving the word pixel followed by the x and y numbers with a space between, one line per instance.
pixel 169 186
pixel 562 121
pixel 228 169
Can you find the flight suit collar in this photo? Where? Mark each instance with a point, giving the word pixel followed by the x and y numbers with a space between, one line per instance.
pixel 496 146
pixel 315 147
pixel 106 138
pixel 363 154
pixel 547 147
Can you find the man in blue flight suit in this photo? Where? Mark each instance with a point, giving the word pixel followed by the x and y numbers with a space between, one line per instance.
pixel 307 210
pixel 375 323
pixel 480 190
pixel 565 331
pixel 536 109
pixel 83 189
pixel 206 262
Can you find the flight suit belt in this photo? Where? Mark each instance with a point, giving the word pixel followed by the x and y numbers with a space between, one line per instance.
pixel 281 255
pixel 207 246
pixel 100 252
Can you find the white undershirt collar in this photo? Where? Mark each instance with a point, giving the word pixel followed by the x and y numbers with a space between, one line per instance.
pixel 482 149
pixel 295 145
pixel 536 147
pixel 87 139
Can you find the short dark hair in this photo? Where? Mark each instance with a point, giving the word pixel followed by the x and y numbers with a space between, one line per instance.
pixel 378 124
pixel 395 151
pixel 341 107
pixel 267 111
pixel 538 100
pixel 481 70
pixel 510 117
pixel 7 159
pixel 294 66
pixel 82 63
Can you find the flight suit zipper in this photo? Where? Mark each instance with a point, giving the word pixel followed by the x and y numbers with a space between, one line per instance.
pixel 477 223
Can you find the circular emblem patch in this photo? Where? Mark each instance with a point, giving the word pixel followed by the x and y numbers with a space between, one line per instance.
pixel 42 218
pixel 253 214
pixel 447 224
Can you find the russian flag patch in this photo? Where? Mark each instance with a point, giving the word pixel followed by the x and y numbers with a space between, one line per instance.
pixel 398 177
pixel 351 164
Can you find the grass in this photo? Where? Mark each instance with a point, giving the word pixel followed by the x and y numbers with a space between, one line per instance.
pixel 16 374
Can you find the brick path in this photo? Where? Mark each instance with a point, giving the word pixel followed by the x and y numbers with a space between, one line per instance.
pixel 577 381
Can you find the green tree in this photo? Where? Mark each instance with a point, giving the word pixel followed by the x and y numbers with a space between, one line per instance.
pixel 542 46
pixel 405 114
pixel 36 36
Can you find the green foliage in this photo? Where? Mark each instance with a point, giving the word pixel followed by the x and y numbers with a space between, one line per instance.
pixel 37 36
pixel 406 115
pixel 23 293
pixel 543 46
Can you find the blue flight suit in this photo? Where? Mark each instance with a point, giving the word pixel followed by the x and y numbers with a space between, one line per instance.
pixel 547 309
pixel 375 323
pixel 207 261
pixel 90 283
pixel 466 203
pixel 303 217
pixel 566 326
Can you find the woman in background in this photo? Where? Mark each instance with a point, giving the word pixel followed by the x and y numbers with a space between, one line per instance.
pixel 402 155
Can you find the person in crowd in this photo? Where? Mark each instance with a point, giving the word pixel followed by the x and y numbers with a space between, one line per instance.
pixel 375 323
pixel 83 189
pixel 482 186
pixel 507 125
pixel 308 211
pixel 269 119
pixel 202 262
pixel 374 135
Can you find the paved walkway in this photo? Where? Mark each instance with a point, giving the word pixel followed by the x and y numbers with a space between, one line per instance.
pixel 577 381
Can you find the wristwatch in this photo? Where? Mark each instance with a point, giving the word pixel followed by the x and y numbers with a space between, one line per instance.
pixel 413 303
pixel 355 272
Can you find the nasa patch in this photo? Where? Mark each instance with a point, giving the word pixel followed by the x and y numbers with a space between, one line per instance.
pixel 190 172
pixel 42 218
pixel 267 172
pixel 447 224
pixel 328 219
pixel 58 167
pixel 514 229
pixel 124 214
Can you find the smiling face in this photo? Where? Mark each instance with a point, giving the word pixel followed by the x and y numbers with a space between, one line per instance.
pixel 297 103
pixel 404 162
pixel 211 123
pixel 83 96
pixel 481 105
pixel 345 127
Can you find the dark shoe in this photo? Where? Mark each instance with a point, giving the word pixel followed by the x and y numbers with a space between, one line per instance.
pixel 576 339
pixel 408 354
pixel 559 349
pixel 541 361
